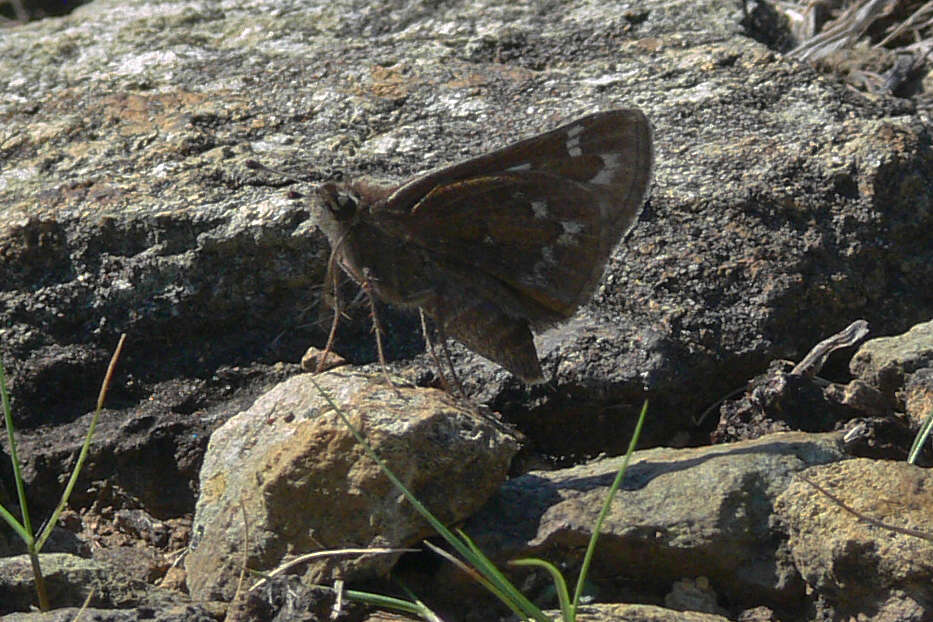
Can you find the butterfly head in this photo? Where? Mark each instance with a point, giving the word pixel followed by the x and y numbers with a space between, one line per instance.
pixel 337 209
pixel 340 202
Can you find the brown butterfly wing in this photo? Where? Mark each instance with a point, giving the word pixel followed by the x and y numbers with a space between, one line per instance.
pixel 572 151
pixel 540 216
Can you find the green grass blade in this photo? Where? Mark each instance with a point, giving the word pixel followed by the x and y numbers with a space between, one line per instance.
pixel 560 585
pixel 505 596
pixel 15 524
pixel 920 439
pixel 105 385
pixel 591 548
pixel 385 602
pixel 413 606
pixel 493 574
pixel 427 613
pixel 24 529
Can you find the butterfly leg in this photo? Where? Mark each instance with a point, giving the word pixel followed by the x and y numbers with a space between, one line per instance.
pixel 450 364
pixel 430 345
pixel 330 280
pixel 367 284
pixel 437 362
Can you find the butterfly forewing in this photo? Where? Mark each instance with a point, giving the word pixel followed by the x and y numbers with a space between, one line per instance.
pixel 541 216
pixel 579 150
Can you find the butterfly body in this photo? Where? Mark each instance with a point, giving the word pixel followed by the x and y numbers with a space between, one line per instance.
pixel 499 245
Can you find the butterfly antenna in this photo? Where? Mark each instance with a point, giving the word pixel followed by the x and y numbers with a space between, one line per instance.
pixel 259 166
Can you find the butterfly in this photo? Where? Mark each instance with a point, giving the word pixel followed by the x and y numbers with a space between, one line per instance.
pixel 502 245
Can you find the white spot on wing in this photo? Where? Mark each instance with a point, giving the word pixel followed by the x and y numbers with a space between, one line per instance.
pixel 571 230
pixel 611 163
pixel 519 167
pixel 573 141
pixel 573 147
pixel 539 208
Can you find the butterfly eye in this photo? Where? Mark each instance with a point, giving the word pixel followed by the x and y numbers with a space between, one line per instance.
pixel 341 204
pixel 346 205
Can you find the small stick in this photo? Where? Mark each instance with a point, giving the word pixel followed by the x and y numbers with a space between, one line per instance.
pixel 337 609
pixel 813 362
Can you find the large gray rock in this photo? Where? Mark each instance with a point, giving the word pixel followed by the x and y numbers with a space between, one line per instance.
pixel 71 580
pixel 784 205
pixel 680 514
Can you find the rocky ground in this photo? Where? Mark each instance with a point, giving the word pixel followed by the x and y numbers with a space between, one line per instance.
pixel 785 206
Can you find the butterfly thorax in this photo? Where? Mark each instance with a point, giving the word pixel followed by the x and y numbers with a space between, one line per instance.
pixel 398 272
